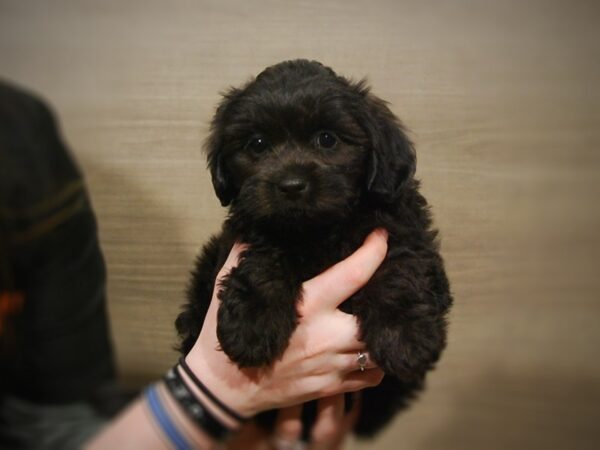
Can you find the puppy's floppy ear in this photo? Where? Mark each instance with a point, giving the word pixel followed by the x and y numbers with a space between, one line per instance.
pixel 392 161
pixel 221 179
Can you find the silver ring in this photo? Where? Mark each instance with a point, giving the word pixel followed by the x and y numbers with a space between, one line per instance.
pixel 361 359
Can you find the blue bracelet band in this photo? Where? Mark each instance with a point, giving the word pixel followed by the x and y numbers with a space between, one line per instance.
pixel 165 422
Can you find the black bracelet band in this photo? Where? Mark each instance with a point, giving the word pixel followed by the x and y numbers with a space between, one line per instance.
pixel 208 393
pixel 193 407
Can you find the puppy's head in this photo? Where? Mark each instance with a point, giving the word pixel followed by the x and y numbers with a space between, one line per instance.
pixel 301 145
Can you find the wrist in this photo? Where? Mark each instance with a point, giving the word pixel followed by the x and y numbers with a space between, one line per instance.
pixel 189 428
pixel 207 395
pixel 234 388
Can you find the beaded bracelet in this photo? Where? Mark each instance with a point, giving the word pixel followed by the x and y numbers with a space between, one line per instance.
pixel 193 407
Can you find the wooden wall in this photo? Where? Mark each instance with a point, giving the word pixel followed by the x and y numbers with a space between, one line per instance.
pixel 502 100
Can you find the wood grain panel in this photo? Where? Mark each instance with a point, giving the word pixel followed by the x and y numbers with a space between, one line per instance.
pixel 502 101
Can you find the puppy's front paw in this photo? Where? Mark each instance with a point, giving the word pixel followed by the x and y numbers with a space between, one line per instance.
pixel 253 330
pixel 406 352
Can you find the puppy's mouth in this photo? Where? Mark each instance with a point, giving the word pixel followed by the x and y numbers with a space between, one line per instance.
pixel 311 211
pixel 293 204
pixel 296 199
pixel 294 211
pixel 283 209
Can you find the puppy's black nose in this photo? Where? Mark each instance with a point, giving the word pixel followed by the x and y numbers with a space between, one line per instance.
pixel 293 187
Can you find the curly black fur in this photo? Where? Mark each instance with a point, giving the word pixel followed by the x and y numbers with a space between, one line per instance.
pixel 302 205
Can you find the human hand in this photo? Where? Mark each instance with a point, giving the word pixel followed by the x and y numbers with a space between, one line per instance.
pixel 329 431
pixel 320 360
pixel 331 427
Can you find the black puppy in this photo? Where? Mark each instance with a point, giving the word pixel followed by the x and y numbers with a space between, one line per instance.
pixel 309 163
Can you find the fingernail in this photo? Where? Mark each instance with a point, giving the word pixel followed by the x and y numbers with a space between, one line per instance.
pixel 382 232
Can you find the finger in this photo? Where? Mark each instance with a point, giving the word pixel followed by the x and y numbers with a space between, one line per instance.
pixel 288 427
pixel 348 362
pixel 349 420
pixel 329 424
pixel 249 436
pixel 357 380
pixel 289 424
pixel 209 326
pixel 342 280
pixel 232 261
pixel 352 415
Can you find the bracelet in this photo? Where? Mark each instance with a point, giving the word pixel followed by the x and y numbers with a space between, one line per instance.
pixel 194 407
pixel 162 419
pixel 231 413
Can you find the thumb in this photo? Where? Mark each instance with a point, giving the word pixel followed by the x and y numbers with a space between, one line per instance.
pixel 232 261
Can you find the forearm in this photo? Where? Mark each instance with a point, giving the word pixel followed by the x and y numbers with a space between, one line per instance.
pixel 137 428
pixel 320 361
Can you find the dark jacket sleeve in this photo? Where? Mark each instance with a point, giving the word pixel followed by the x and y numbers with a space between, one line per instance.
pixel 54 337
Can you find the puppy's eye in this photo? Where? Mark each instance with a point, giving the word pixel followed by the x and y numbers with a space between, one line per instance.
pixel 326 140
pixel 257 144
